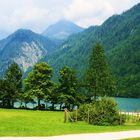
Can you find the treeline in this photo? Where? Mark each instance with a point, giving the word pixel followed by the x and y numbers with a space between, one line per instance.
pixel 68 92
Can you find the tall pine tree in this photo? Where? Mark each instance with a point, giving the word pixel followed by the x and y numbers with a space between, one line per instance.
pixel 98 76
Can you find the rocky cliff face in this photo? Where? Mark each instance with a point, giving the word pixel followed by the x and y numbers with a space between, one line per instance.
pixel 25 48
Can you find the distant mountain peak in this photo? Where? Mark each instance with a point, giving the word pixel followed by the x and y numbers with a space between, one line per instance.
pixel 23 30
pixel 65 22
pixel 61 30
pixel 21 34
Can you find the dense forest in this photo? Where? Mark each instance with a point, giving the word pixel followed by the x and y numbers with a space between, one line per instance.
pixel 120 36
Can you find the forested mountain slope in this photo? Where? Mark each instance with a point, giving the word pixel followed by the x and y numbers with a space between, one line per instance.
pixel 120 37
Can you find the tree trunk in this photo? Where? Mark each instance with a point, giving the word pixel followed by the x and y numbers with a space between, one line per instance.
pixel 60 106
pixel 3 103
pixel 25 105
pixel 12 104
pixel 8 103
pixel 38 103
pixel 52 106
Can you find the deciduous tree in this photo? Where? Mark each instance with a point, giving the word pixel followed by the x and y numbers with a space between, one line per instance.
pixel 68 87
pixel 38 83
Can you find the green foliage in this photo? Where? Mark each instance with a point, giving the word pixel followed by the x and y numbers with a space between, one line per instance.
pixel 14 76
pixel 126 67
pixel 53 97
pixel 38 83
pixel 132 118
pixel 68 87
pixel 8 94
pixel 11 86
pixel 120 37
pixel 102 112
pixel 80 114
pixel 98 76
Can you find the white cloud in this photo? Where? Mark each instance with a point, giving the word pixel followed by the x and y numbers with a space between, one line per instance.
pixel 94 12
pixel 33 14
pixel 122 5
pixel 86 10
pixel 38 14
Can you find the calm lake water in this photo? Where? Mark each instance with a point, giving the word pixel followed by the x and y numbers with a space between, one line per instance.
pixel 128 104
pixel 124 104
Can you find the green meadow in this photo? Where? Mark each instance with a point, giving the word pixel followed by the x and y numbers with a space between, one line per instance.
pixel 47 123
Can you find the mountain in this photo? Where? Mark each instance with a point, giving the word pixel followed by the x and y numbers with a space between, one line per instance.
pixel 62 30
pixel 25 48
pixel 120 36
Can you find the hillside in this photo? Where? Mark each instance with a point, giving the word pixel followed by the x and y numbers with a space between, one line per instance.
pixel 25 48
pixel 120 36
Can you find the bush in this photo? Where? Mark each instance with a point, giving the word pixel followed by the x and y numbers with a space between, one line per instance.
pixel 74 116
pixel 102 112
pixel 79 114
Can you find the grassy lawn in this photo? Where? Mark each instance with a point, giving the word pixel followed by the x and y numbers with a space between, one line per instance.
pixel 45 123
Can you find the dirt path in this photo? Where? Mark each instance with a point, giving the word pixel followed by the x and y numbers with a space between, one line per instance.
pixel 96 136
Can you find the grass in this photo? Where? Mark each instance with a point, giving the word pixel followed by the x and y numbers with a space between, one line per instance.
pixel 45 123
pixel 132 139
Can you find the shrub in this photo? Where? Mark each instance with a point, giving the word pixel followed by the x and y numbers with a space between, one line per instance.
pixel 102 112
pixel 74 116
pixel 80 114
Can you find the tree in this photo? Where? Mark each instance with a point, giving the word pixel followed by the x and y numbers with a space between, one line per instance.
pixel 38 83
pixel 26 97
pixel 98 76
pixel 14 76
pixel 53 96
pixel 68 87
pixel 11 86
pixel 6 93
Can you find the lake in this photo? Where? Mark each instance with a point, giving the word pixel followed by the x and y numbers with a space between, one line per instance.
pixel 128 104
pixel 124 104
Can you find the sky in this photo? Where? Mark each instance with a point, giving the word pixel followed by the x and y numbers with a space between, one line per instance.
pixel 37 15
